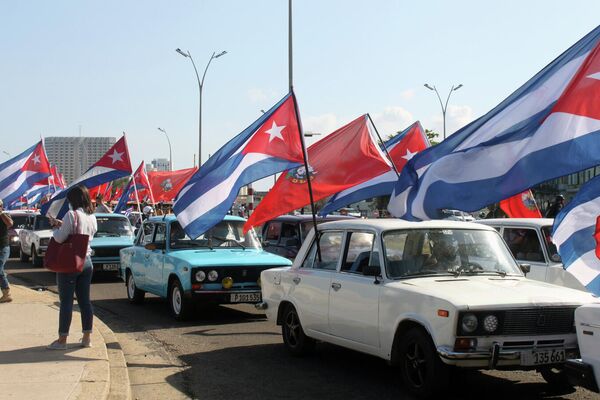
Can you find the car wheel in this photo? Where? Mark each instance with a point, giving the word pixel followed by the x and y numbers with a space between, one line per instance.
pixel 35 259
pixel 556 377
pixel 422 370
pixel 135 295
pixel 22 256
pixel 181 308
pixel 294 338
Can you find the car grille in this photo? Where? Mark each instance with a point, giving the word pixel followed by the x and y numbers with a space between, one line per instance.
pixel 107 251
pixel 539 321
pixel 238 274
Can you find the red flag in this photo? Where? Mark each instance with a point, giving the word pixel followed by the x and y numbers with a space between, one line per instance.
pixel 142 184
pixel 96 190
pixel 522 205
pixel 166 184
pixel 345 158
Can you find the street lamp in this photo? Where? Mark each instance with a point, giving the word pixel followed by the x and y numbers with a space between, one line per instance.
pixel 444 106
pixel 200 85
pixel 170 153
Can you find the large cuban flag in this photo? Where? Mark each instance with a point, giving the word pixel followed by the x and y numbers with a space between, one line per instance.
pixel 576 233
pixel 20 173
pixel 269 145
pixel 113 165
pixel 401 148
pixel 550 127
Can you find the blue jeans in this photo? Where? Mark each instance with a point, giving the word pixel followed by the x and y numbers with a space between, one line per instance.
pixel 4 253
pixel 79 284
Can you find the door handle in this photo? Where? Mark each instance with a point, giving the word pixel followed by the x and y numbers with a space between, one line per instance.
pixel 296 280
pixel 336 286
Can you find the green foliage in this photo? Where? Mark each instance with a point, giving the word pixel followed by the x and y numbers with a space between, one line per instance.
pixel 432 136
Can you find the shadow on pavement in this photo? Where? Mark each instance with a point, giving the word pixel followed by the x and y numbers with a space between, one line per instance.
pixel 38 354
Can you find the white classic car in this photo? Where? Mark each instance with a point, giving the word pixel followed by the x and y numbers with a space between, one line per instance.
pixel 586 370
pixel 34 239
pixel 426 296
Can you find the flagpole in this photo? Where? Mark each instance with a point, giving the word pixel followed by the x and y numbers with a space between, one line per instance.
pixel 384 146
pixel 137 198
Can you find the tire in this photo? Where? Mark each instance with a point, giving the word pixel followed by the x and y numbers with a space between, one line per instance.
pixel 422 370
pixel 35 259
pixel 294 338
pixel 22 256
pixel 135 295
pixel 556 377
pixel 181 308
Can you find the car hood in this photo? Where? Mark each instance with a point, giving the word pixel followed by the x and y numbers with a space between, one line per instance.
pixel 229 257
pixel 107 241
pixel 46 233
pixel 494 292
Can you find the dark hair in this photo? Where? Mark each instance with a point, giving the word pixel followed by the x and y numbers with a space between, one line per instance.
pixel 79 197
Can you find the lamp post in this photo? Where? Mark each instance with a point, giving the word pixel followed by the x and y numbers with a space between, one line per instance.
pixel 444 106
pixel 170 153
pixel 200 86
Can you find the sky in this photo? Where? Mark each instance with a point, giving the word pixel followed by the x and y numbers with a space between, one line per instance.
pixel 103 68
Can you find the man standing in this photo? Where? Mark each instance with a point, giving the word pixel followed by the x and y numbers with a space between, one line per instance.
pixel 101 207
pixel 5 224
pixel 555 207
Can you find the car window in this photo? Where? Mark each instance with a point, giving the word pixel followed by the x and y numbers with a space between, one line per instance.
pixel 550 246
pixel 288 232
pixel 160 235
pixel 358 251
pixel 146 234
pixel 19 221
pixel 330 246
pixel 42 223
pixel 524 244
pixel 310 258
pixel 273 232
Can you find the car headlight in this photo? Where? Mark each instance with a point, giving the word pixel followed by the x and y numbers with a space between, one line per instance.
pixel 93 253
pixel 213 275
pixel 490 323
pixel 200 276
pixel 14 239
pixel 469 323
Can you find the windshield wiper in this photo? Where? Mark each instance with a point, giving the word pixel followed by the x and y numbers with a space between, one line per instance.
pixel 457 272
pixel 222 239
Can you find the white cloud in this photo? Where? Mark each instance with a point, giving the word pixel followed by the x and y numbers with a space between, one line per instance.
pixel 392 120
pixel 259 96
pixel 323 124
pixel 407 94
pixel 457 116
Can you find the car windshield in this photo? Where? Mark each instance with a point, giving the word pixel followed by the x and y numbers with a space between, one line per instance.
pixel 224 234
pixel 419 252
pixel 550 246
pixel 19 221
pixel 41 223
pixel 113 226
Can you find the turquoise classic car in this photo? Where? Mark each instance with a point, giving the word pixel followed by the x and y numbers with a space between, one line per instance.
pixel 114 233
pixel 222 266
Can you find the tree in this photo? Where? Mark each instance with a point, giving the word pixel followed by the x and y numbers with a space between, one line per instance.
pixel 432 136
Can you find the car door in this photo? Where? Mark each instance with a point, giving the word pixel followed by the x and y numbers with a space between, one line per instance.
pixel 141 254
pixel 354 298
pixel 154 259
pixel 312 281
pixel 525 245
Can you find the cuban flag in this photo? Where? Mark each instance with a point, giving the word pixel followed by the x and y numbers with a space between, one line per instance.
pixel 401 148
pixel 550 127
pixel 269 145
pixel 139 182
pixel 113 165
pixel 576 233
pixel 20 173
pixel 38 191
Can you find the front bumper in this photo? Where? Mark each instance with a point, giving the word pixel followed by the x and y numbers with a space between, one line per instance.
pixel 581 374
pixel 495 357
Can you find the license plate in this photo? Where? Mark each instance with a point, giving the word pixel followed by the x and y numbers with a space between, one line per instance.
pixel 542 357
pixel 245 297
pixel 110 267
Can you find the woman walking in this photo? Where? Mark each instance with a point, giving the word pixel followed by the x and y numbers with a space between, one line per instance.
pixel 80 219
pixel 5 224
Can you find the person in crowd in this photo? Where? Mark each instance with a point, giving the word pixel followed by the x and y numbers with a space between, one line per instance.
pixel 80 219
pixel 148 212
pixel 101 206
pixel 5 224
pixel 555 207
pixel 444 253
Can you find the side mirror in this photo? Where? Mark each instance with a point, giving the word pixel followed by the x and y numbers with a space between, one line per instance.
pixel 556 258
pixel 525 268
pixel 372 270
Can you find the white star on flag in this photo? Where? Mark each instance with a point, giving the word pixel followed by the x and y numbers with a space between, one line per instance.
pixel 275 132
pixel 36 159
pixel 409 155
pixel 116 156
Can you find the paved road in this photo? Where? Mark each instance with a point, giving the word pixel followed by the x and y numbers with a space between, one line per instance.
pixel 234 353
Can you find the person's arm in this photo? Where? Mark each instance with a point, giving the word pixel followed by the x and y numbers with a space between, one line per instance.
pixel 66 228
pixel 6 219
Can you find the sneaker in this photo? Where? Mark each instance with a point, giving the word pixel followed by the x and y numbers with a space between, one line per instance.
pixel 84 343
pixel 57 346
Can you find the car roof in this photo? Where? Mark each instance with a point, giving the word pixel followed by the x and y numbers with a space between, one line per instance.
pixel 110 215
pixel 21 212
pixel 308 217
pixel 537 222
pixel 385 224
pixel 172 218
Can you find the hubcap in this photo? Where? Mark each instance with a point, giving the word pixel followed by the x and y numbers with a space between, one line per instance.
pixel 415 364
pixel 292 325
pixel 131 286
pixel 176 300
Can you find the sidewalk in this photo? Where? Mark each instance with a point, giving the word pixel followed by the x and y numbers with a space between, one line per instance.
pixel 29 371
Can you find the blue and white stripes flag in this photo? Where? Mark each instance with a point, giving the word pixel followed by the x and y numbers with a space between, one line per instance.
pixel 122 204
pixel 269 145
pixel 401 148
pixel 576 233
pixel 550 127
pixel 20 173
pixel 114 164
pixel 38 191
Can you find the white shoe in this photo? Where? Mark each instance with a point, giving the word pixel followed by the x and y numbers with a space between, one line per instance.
pixel 83 343
pixel 56 345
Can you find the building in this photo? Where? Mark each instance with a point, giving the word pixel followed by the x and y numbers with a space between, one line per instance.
pixel 568 186
pixel 73 155
pixel 158 164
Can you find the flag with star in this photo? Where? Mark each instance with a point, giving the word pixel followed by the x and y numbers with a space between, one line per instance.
pixel 114 164
pixel 269 145
pixel 21 173
pixel 401 148
pixel 343 159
